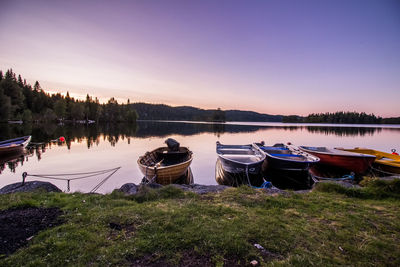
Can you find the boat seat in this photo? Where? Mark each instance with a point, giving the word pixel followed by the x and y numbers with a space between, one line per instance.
pixel 286 155
pixel 273 148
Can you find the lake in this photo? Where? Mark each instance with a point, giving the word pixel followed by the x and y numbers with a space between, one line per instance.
pixel 98 147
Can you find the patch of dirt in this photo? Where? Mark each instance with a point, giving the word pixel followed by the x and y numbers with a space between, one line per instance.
pixel 19 225
pixel 189 258
pixel 234 261
pixel 124 231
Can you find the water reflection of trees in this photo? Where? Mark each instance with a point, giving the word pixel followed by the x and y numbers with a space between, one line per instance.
pixel 344 131
pixel 93 134
pixel 162 129
pixel 11 161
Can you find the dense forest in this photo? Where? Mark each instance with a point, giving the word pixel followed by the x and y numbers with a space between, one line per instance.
pixel 186 113
pixel 19 101
pixel 183 113
pixel 342 117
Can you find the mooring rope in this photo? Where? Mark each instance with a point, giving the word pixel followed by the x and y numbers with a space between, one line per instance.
pixel 75 176
pixel 385 172
pixel 247 174
pixel 344 177
pixel 104 180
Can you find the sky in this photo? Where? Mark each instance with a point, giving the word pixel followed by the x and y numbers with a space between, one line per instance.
pixel 276 57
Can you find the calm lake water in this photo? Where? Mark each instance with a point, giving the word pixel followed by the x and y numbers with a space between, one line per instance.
pixel 98 147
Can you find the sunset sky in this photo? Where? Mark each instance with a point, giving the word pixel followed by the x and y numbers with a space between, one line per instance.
pixel 277 57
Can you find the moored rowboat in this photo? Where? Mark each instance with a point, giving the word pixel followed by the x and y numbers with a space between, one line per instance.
pixel 239 164
pixel 287 157
pixel 166 166
pixel 354 162
pixel 15 145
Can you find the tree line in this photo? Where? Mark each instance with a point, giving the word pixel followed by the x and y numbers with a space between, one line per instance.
pixel 342 117
pixel 164 112
pixel 20 101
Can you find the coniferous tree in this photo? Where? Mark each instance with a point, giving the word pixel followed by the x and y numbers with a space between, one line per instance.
pixel 68 106
pixel 60 109
pixel 5 105
pixel 20 82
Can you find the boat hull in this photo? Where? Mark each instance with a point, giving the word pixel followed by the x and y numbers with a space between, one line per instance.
pixel 284 165
pixel 14 146
pixel 386 162
pixel 240 168
pixel 165 174
pixel 224 177
pixel 239 164
pixel 287 166
pixel 354 162
pixel 387 169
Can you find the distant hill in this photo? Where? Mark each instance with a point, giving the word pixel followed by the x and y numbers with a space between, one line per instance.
pixel 239 115
pixel 164 112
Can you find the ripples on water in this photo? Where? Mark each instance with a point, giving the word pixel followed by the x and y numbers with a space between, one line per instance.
pixel 96 147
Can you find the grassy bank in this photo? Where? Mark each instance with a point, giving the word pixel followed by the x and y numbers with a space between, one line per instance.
pixel 329 226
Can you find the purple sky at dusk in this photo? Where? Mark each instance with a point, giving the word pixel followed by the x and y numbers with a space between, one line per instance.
pixel 277 57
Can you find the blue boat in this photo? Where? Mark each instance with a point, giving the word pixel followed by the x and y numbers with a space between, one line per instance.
pixel 287 157
pixel 13 146
pixel 286 166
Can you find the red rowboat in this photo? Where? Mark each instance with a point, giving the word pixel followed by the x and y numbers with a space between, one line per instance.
pixel 355 162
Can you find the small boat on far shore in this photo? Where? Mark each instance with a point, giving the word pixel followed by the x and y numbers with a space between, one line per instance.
pixel 239 164
pixel 13 146
pixel 350 161
pixel 385 162
pixel 167 165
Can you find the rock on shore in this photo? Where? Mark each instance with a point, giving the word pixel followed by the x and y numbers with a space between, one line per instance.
pixel 29 187
pixel 132 189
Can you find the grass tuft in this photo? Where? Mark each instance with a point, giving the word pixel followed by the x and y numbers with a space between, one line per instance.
pixel 372 189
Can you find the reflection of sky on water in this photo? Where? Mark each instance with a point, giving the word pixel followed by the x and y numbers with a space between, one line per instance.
pixel 117 146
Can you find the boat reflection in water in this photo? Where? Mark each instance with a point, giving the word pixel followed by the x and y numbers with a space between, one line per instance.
pixel 13 160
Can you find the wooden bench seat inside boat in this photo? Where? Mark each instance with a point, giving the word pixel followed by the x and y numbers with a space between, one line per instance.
pixel 165 157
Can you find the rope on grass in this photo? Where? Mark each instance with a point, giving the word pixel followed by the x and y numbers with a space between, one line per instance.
pixel 265 185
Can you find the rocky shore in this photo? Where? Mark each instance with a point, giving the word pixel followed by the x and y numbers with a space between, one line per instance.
pixel 129 188
pixel 133 189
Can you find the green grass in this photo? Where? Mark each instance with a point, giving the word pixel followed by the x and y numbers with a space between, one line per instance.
pixel 330 226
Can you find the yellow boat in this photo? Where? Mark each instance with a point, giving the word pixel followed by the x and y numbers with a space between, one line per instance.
pixel 388 163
